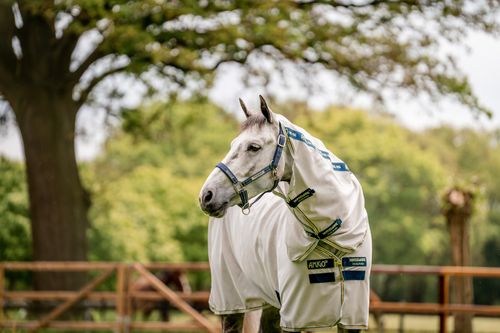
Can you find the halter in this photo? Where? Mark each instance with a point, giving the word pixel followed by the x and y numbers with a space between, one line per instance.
pixel 239 186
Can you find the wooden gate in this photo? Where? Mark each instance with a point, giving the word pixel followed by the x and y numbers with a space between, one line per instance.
pixel 122 297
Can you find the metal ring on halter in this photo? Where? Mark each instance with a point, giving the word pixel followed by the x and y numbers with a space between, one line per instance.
pixel 246 209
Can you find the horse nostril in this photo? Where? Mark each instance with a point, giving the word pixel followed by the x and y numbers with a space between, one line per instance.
pixel 208 196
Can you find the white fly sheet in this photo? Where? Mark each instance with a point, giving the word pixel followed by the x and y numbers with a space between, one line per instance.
pixel 338 196
pixel 311 261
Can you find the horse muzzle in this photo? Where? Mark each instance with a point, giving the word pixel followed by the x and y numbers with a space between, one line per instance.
pixel 210 205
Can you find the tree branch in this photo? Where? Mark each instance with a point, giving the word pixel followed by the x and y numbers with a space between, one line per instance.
pixel 346 4
pixel 227 59
pixel 92 58
pixel 95 81
pixel 66 46
pixel 72 37
pixel 8 60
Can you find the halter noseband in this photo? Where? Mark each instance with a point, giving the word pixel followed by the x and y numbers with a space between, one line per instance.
pixel 239 186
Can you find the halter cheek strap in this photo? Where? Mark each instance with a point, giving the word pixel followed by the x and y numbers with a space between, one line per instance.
pixel 236 183
pixel 239 186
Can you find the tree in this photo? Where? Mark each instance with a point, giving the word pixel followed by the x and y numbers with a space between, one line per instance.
pixel 46 80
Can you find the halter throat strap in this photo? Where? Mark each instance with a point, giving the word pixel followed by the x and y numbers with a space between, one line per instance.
pixel 239 186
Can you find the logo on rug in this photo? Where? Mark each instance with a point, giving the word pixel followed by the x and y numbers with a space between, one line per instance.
pixel 321 263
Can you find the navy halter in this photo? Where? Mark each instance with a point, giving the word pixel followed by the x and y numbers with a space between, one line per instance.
pixel 239 186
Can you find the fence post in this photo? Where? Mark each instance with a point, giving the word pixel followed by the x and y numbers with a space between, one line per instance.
pixel 120 298
pixel 444 290
pixel 128 299
pixel 127 302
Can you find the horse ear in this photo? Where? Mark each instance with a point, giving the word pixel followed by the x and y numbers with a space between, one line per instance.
pixel 266 111
pixel 244 108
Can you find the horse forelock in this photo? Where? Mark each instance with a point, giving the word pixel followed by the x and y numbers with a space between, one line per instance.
pixel 253 121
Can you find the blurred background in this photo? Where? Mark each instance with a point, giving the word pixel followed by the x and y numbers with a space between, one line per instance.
pixel 113 113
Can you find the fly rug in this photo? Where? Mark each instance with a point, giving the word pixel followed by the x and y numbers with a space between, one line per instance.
pixel 288 230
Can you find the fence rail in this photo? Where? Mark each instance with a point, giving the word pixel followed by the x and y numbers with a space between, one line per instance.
pixel 443 308
pixel 122 296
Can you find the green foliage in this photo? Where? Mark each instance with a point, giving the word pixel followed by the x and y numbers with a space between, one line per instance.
pixel 14 216
pixel 146 185
pixel 473 158
pixel 490 257
pixel 15 231
pixel 371 44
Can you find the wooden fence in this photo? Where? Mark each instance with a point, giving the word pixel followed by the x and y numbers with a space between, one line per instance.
pixel 443 308
pixel 122 296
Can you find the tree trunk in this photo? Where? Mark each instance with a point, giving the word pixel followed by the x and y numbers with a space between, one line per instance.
pixel 58 201
pixel 37 82
pixel 459 204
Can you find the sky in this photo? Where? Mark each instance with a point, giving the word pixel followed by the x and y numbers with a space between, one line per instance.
pixel 481 63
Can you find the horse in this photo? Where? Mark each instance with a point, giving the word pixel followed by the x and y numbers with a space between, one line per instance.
pixel 174 279
pixel 288 232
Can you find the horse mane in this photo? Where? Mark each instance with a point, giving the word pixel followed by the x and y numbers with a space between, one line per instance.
pixel 254 120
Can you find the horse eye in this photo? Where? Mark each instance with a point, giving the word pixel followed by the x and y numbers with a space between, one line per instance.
pixel 253 147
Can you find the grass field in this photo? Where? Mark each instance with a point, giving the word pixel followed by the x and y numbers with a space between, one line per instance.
pixel 414 324
pixel 392 324
pixel 425 324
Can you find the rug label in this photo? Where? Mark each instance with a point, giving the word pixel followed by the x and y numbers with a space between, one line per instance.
pixel 354 261
pixel 319 264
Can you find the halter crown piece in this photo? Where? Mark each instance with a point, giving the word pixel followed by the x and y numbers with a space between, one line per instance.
pixel 239 186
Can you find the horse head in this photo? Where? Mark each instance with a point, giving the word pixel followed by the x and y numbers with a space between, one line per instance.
pixel 251 167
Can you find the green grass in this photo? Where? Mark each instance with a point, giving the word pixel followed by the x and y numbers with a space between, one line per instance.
pixel 414 324
pixel 392 323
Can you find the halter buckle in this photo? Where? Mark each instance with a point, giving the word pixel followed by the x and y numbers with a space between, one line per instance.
pixel 275 173
pixel 281 140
